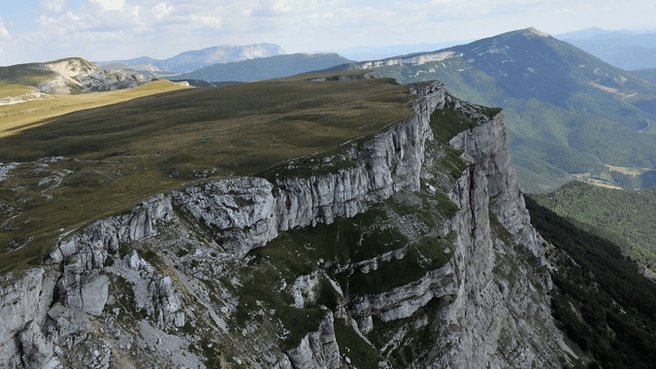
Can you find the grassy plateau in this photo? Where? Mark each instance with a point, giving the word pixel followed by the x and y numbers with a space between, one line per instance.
pixel 110 158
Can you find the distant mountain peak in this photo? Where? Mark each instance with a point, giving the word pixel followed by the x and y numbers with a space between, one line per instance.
pixel 530 32
pixel 536 32
pixel 190 60
pixel 265 68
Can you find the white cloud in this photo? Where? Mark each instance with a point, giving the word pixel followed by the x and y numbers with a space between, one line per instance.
pixel 4 33
pixel 111 29
pixel 212 21
pixel 276 8
pixel 162 10
pixel 56 6
pixel 110 4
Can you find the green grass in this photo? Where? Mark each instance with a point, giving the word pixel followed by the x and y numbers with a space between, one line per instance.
pixel 123 153
pixel 626 217
pixel 30 114
pixel 261 289
pixel 24 74
pixel 426 255
pixel 361 354
pixel 448 122
pixel 346 240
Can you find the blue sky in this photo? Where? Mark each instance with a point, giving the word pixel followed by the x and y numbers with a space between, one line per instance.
pixel 37 30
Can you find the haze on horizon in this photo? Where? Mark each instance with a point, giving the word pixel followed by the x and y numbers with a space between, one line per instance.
pixel 39 30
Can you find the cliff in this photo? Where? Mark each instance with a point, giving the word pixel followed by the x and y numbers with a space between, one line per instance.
pixel 412 249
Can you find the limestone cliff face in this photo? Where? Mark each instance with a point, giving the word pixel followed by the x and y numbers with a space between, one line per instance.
pixel 180 280
pixel 487 147
pixel 76 74
pixel 502 303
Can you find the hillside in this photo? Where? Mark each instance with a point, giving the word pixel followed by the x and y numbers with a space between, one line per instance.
pixel 65 76
pixel 265 68
pixel 321 221
pixel 647 74
pixel 601 300
pixel 568 112
pixel 30 94
pixel 194 59
pixel 628 218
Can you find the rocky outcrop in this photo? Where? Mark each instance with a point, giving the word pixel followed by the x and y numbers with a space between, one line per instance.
pixel 493 312
pixel 79 75
pixel 402 302
pixel 90 246
pixel 318 350
pixel 486 145
pixel 19 301
pixel 410 60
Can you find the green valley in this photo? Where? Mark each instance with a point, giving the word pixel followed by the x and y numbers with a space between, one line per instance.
pixel 627 218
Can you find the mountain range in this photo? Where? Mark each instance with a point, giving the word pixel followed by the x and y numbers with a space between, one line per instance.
pixel 194 59
pixel 265 68
pixel 623 49
pixel 569 113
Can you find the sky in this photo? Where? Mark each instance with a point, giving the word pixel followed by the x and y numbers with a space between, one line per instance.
pixel 40 30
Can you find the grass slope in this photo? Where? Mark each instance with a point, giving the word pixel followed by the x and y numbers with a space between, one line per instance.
pixel 123 153
pixel 601 301
pixel 30 114
pixel 626 217
pixel 24 74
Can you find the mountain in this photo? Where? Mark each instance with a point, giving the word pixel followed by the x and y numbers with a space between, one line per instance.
pixel 329 220
pixel 195 59
pixel 623 49
pixel 569 113
pixel 66 76
pixel 368 52
pixel 648 74
pixel 265 68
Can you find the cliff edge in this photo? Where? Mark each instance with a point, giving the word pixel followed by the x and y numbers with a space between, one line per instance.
pixel 410 249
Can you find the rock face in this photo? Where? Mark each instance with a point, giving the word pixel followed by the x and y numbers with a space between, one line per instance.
pixel 318 350
pixel 442 270
pixel 79 75
pixel 486 146
pixel 412 60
